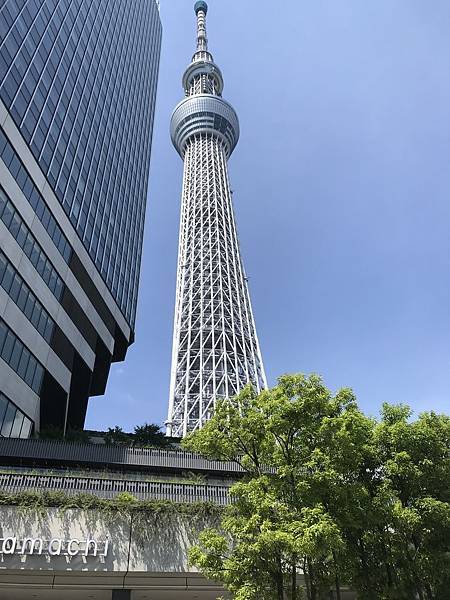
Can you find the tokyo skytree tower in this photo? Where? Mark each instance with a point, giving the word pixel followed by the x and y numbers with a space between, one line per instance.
pixel 215 346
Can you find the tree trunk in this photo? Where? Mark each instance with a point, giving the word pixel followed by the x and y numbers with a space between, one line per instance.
pixel 365 568
pixel 294 578
pixel 386 554
pixel 312 583
pixel 424 585
pixel 337 583
pixel 280 591
pixel 415 579
pixel 387 565
pixel 279 581
pixel 307 580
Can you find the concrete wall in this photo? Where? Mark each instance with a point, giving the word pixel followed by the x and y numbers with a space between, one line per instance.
pixel 146 552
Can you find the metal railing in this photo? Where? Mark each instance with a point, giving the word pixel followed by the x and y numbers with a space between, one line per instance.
pixel 109 488
pixel 81 453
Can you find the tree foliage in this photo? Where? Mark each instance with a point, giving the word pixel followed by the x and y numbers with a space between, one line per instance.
pixel 55 433
pixel 150 434
pixel 147 435
pixel 328 493
pixel 117 436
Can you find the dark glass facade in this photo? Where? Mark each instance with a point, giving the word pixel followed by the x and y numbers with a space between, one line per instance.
pixel 77 93
pixel 77 80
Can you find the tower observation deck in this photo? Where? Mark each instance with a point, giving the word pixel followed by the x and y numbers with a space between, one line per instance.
pixel 215 345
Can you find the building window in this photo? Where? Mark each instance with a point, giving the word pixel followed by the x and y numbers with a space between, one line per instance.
pixel 20 359
pixel 13 422
pixel 20 293
pixel 34 197
pixel 27 242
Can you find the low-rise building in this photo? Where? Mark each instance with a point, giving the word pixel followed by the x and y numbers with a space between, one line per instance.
pixel 106 522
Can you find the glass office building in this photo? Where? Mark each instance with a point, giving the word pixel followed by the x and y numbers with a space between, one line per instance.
pixel 77 97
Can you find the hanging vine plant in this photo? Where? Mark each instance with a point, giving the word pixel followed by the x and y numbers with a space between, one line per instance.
pixel 123 504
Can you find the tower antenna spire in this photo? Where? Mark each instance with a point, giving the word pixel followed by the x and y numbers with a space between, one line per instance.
pixel 201 8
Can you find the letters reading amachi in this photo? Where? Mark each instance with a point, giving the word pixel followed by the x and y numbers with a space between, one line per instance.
pixel 54 547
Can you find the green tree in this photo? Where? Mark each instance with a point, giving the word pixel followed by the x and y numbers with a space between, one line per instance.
pixel 330 493
pixel 280 516
pixel 116 435
pixel 55 433
pixel 150 434
pixel 414 461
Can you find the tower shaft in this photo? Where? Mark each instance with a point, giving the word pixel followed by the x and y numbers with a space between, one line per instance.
pixel 215 345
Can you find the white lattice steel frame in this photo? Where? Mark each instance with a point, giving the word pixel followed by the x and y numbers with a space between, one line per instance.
pixel 215 345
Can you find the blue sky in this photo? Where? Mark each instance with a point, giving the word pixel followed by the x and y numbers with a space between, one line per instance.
pixel 341 186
